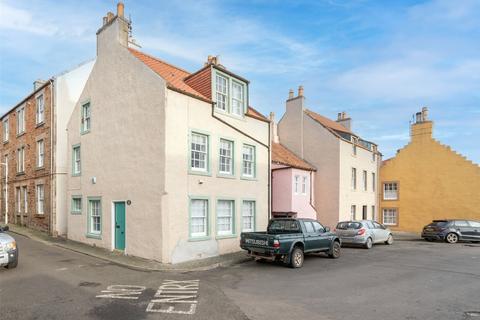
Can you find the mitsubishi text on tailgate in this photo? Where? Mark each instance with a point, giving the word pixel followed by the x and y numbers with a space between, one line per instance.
pixel 288 239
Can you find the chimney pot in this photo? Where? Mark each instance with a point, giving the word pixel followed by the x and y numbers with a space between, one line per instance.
pixel 339 116
pixel 418 117
pixel 300 91
pixel 120 9
pixel 290 94
pixel 424 114
pixel 109 16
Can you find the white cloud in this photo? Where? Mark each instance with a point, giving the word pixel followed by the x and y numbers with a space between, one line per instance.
pixel 15 19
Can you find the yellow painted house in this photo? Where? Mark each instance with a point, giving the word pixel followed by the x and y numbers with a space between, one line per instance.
pixel 427 180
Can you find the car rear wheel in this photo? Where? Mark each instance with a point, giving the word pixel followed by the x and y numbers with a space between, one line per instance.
pixel 451 238
pixel 335 253
pixel 389 240
pixel 368 243
pixel 297 257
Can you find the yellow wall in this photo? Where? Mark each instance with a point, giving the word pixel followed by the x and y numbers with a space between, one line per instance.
pixel 434 182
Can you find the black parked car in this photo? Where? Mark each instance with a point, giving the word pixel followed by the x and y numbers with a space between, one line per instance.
pixel 452 231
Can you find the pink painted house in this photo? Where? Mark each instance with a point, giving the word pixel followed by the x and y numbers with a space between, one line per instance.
pixel 292 182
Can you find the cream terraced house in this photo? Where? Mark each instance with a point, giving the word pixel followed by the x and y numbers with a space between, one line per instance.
pixel 165 164
pixel 347 166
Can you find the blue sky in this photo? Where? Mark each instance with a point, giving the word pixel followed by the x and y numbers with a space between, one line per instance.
pixel 380 61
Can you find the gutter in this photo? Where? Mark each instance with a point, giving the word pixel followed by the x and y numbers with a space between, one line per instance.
pixel 260 143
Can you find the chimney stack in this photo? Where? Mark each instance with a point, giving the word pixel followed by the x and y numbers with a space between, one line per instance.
pixel 422 128
pixel 300 91
pixel 38 83
pixel 290 94
pixel 120 9
pixel 275 138
pixel 344 120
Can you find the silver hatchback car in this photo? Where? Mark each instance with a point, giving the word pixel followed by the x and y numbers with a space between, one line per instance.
pixel 363 232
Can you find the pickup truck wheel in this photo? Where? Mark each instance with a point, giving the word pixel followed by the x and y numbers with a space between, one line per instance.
pixel 12 264
pixel 335 253
pixel 296 260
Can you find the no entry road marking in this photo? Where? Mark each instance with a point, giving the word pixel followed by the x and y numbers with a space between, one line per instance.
pixel 173 296
pixel 122 291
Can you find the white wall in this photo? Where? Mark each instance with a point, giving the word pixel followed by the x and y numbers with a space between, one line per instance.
pixel 68 87
pixel 184 114
pixel 359 197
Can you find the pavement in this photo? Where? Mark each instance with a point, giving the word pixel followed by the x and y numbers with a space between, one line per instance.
pixel 407 280
pixel 131 262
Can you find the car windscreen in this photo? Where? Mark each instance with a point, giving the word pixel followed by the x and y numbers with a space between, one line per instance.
pixel 284 226
pixel 439 223
pixel 349 225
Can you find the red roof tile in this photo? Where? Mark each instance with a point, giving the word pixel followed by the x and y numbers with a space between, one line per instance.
pixel 327 122
pixel 173 75
pixel 281 155
pixel 251 112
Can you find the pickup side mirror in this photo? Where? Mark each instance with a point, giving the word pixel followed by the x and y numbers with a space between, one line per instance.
pixel 327 229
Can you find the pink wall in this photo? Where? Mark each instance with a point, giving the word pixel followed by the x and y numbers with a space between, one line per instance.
pixel 283 194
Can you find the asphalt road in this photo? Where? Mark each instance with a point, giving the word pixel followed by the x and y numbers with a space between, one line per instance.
pixel 408 280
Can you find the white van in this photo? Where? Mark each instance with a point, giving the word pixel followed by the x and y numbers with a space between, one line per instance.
pixel 8 250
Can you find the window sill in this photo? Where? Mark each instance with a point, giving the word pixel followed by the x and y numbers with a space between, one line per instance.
pixel 390 199
pixel 227 236
pixel 76 174
pixel 76 213
pixel 94 236
pixel 85 132
pixel 229 114
pixel 200 173
pixel 20 173
pixel 39 215
pixel 190 239
pixel 226 176
pixel 40 168
pixel 248 178
pixel 39 124
pixel 5 142
pixel 20 134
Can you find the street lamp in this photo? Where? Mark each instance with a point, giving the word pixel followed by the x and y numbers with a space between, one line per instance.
pixel 6 190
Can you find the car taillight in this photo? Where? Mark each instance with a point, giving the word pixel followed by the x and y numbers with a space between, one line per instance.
pixel 276 244
pixel 361 232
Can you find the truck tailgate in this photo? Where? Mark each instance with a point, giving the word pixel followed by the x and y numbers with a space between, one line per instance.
pixel 256 241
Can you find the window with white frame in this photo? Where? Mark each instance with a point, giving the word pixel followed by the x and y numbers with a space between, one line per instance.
pixel 40 153
pixel 6 129
pixel 199 152
pixel 21 159
pixel 390 191
pixel 77 160
pixel 21 120
pixel 40 109
pixel 25 199
pixel 364 180
pixel 95 216
pixel 5 167
pixel 373 213
pixel 198 218
pixel 390 216
pixel 76 204
pixel 354 178
pixel 86 118
pixel 374 181
pixel 226 157
pixel 248 166
pixel 40 192
pixel 296 184
pixel 237 98
pixel 18 200
pixel 304 185
pixel 222 92
pixel 225 209
pixel 248 216
pixel 353 212
pixel 354 148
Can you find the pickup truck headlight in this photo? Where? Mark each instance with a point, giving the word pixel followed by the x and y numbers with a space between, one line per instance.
pixel 11 246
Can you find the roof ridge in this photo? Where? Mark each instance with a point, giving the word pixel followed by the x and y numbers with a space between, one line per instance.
pixel 160 60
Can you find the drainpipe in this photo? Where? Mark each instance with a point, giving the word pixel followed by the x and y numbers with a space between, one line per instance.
pixel 52 152
pixel 257 141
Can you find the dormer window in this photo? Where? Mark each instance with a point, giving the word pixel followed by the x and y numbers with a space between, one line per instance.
pixel 230 94
pixel 222 92
pixel 237 98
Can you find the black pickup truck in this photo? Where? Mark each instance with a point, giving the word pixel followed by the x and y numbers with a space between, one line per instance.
pixel 287 239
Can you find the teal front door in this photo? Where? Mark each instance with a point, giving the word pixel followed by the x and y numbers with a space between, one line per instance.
pixel 120 225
